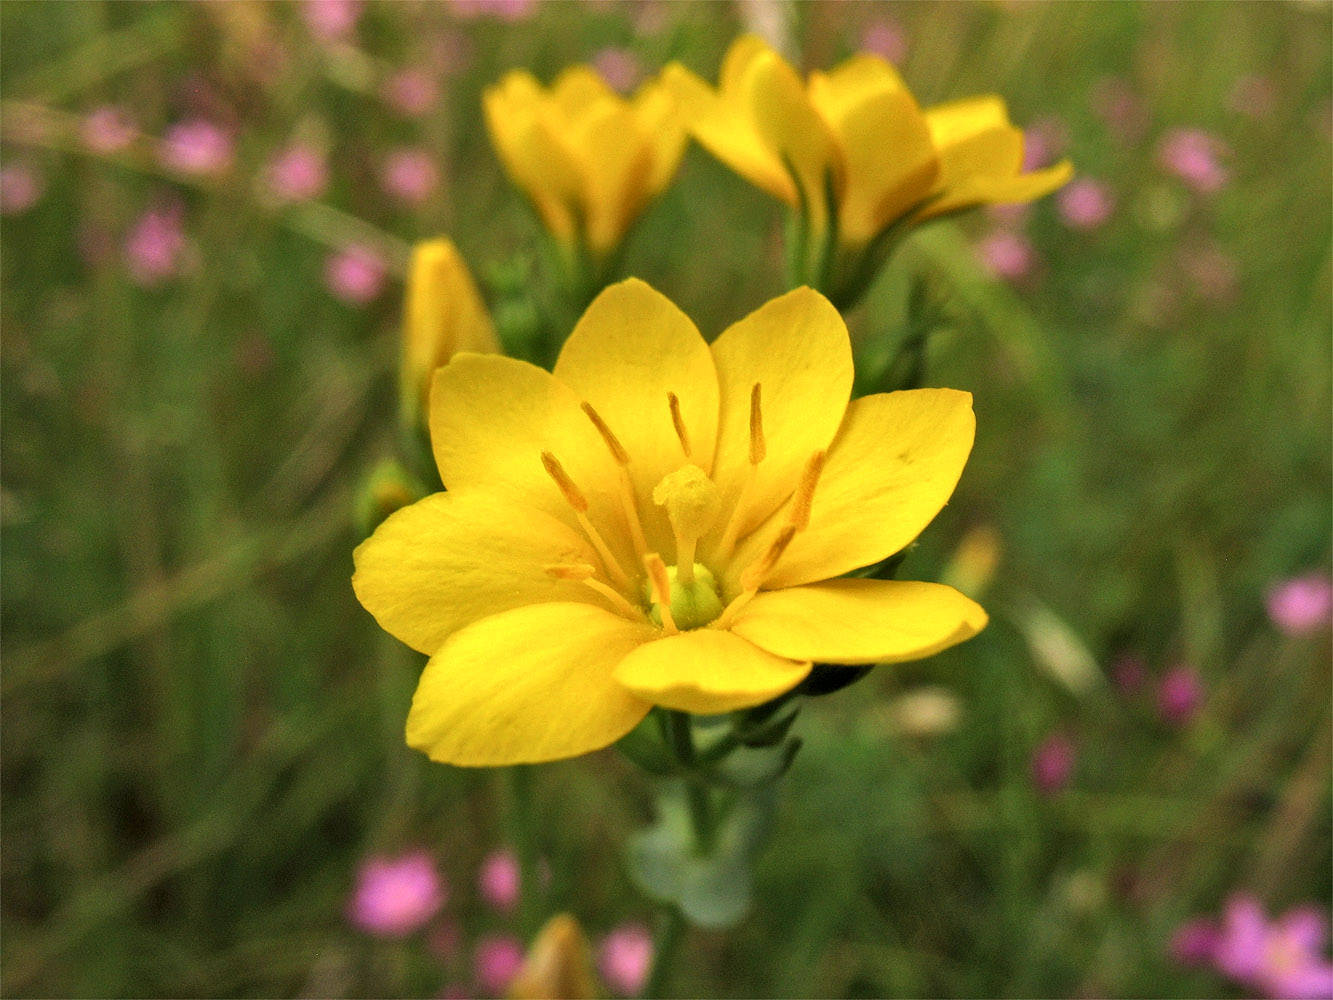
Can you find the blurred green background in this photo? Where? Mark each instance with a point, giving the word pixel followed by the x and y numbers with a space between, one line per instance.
pixel 202 730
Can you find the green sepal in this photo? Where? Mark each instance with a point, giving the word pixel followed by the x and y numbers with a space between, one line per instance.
pixel 767 732
pixel 756 767
pixel 643 745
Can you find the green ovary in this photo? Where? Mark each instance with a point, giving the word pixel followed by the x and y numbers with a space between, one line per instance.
pixel 693 604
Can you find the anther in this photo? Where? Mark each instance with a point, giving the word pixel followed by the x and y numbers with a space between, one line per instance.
pixel 755 574
pixel 678 422
pixel 612 444
pixel 573 496
pixel 574 571
pixel 660 581
pixel 805 492
pixel 757 447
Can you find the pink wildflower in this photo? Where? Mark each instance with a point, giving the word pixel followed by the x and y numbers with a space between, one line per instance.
pixel 1120 107
pixel 1053 764
pixel 885 38
pixel 625 958
pixel 1043 141
pixel 297 173
pixel 1302 604
pixel 409 175
pixel 355 274
pixel 496 961
pixel 197 146
pixel 618 67
pixel 411 92
pixel 1281 958
pixel 1195 156
pixel 1194 942
pixel 1180 694
pixel 498 879
pixel 107 130
pixel 1085 204
pixel 396 896
pixel 155 246
pixel 20 188
pixel 331 20
pixel 1007 255
pixel 505 10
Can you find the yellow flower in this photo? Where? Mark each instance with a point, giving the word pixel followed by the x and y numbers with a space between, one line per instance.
pixel 443 314
pixel 589 159
pixel 858 131
pixel 660 522
pixel 558 966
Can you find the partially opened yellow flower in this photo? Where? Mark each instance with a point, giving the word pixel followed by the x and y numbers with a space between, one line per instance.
pixel 660 522
pixel 858 133
pixel 443 314
pixel 589 159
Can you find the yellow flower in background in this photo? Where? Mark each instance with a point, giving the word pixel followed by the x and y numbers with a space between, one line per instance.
pixel 558 966
pixel 857 131
pixel 589 159
pixel 660 522
pixel 443 314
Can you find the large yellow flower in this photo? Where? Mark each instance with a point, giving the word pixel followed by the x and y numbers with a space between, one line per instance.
pixel 660 522
pixel 859 131
pixel 589 159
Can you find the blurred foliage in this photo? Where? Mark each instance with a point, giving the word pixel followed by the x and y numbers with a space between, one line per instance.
pixel 203 730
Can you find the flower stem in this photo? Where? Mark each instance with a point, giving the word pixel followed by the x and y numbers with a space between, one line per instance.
pixel 666 943
pixel 703 817
pixel 525 847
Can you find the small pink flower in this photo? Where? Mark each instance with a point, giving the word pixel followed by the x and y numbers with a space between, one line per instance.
pixel 1195 156
pixel 1007 255
pixel 1129 674
pixel 1053 764
pixel 396 896
pixel 197 146
pixel 505 10
pixel 1085 204
pixel 1043 141
pixel 331 20
pixel 496 961
pixel 619 68
pixel 1302 604
pixel 1179 694
pixel 498 879
pixel 1119 106
pixel 20 188
pixel 625 958
pixel 155 245
pixel 411 92
pixel 107 130
pixel 885 38
pixel 297 173
pixel 409 175
pixel 1194 942
pixel 1281 958
pixel 355 274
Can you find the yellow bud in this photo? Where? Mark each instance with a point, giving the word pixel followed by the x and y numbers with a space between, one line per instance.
pixel 558 965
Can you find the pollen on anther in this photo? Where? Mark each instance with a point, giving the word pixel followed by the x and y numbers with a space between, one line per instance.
pixel 757 447
pixel 678 422
pixel 613 444
pixel 573 496
pixel 660 582
pixel 805 492
pixel 575 571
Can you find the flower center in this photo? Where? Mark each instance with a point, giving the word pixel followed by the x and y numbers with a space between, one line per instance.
pixel 693 604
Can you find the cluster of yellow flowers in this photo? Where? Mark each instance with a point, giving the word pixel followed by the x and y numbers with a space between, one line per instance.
pixel 659 521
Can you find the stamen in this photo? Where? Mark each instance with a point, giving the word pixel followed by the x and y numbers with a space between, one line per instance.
pixel 805 492
pixel 627 495
pixel 575 498
pixel 584 573
pixel 660 582
pixel 757 447
pixel 678 422
pixel 753 576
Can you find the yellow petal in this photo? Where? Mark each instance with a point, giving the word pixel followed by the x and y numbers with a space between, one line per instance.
pixel 631 348
pixel 980 190
pixel 707 672
pixel 525 686
pixel 891 160
pixel 617 164
pixel 558 966
pixel 444 314
pixel 532 154
pixel 797 348
pixel 577 90
pixel 454 558
pixel 660 123
pixel 787 123
pixel 491 419
pixel 859 621
pixel 735 64
pixel 894 464
pixel 725 130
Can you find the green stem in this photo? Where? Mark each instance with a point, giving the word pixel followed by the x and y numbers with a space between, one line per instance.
pixel 666 943
pixel 702 815
pixel 525 848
